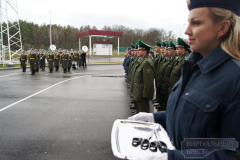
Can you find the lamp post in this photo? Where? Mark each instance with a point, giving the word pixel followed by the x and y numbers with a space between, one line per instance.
pixel 180 30
pixel 50 30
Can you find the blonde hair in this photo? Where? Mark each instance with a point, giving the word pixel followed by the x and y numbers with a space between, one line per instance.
pixel 231 41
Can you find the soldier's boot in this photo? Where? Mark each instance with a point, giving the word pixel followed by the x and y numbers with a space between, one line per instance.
pixel 65 70
pixel 58 68
pixel 68 69
pixel 23 70
pixel 33 72
pixel 132 106
pixel 36 70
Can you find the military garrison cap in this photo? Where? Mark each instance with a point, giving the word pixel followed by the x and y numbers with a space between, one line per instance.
pixel 172 45
pixel 144 46
pixel 136 46
pixel 163 45
pixel 158 44
pixel 182 44
pixel 132 46
pixel 233 5
pixel 129 48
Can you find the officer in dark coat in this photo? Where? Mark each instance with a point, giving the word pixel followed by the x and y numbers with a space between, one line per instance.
pixel 64 61
pixel 56 60
pixel 143 87
pixel 84 64
pixel 32 59
pixel 23 60
pixel 205 102
pixel 50 59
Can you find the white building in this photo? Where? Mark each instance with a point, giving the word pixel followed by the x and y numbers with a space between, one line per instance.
pixel 102 47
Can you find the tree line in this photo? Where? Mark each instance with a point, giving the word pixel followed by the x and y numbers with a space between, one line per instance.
pixel 65 37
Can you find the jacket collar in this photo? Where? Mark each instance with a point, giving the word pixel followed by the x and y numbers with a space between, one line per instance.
pixel 211 61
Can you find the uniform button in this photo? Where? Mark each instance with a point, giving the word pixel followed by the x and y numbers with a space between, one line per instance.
pixel 208 106
pixel 186 94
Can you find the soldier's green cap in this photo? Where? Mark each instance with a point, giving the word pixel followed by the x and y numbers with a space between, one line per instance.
pixel 158 44
pixel 23 51
pixel 35 50
pixel 136 46
pixel 163 45
pixel 181 43
pixel 172 45
pixel 144 46
pixel 166 47
pixel 132 46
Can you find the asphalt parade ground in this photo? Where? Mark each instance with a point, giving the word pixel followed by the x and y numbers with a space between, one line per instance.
pixel 57 116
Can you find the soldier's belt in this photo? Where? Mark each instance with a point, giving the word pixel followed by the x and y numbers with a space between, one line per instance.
pixel 65 59
pixel 75 56
pixel 22 59
pixel 32 58
pixel 50 59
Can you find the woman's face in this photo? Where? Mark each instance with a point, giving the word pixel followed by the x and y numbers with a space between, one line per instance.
pixel 202 31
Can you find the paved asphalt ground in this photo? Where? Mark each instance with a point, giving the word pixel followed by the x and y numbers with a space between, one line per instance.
pixel 57 116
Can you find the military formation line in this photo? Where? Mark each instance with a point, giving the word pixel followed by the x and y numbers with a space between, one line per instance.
pixel 37 60
pixel 148 76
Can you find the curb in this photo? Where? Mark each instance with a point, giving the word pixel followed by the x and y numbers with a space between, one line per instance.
pixel 10 68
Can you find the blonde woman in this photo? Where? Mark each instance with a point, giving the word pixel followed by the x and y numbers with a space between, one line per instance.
pixel 205 102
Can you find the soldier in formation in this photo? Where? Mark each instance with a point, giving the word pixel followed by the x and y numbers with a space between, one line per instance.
pixel 165 69
pixel 50 59
pixel 76 59
pixel 42 59
pixel 32 59
pixel 70 59
pixel 23 60
pixel 56 60
pixel 64 61
pixel 38 60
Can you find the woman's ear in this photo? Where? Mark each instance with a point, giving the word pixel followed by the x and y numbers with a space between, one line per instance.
pixel 224 27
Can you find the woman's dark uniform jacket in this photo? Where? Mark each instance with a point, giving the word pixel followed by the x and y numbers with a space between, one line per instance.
pixel 205 103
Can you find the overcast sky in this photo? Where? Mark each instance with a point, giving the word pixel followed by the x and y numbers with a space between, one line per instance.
pixel 163 14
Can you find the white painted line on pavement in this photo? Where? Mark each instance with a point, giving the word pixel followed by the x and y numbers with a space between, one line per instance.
pixel 37 93
pixel 9 75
